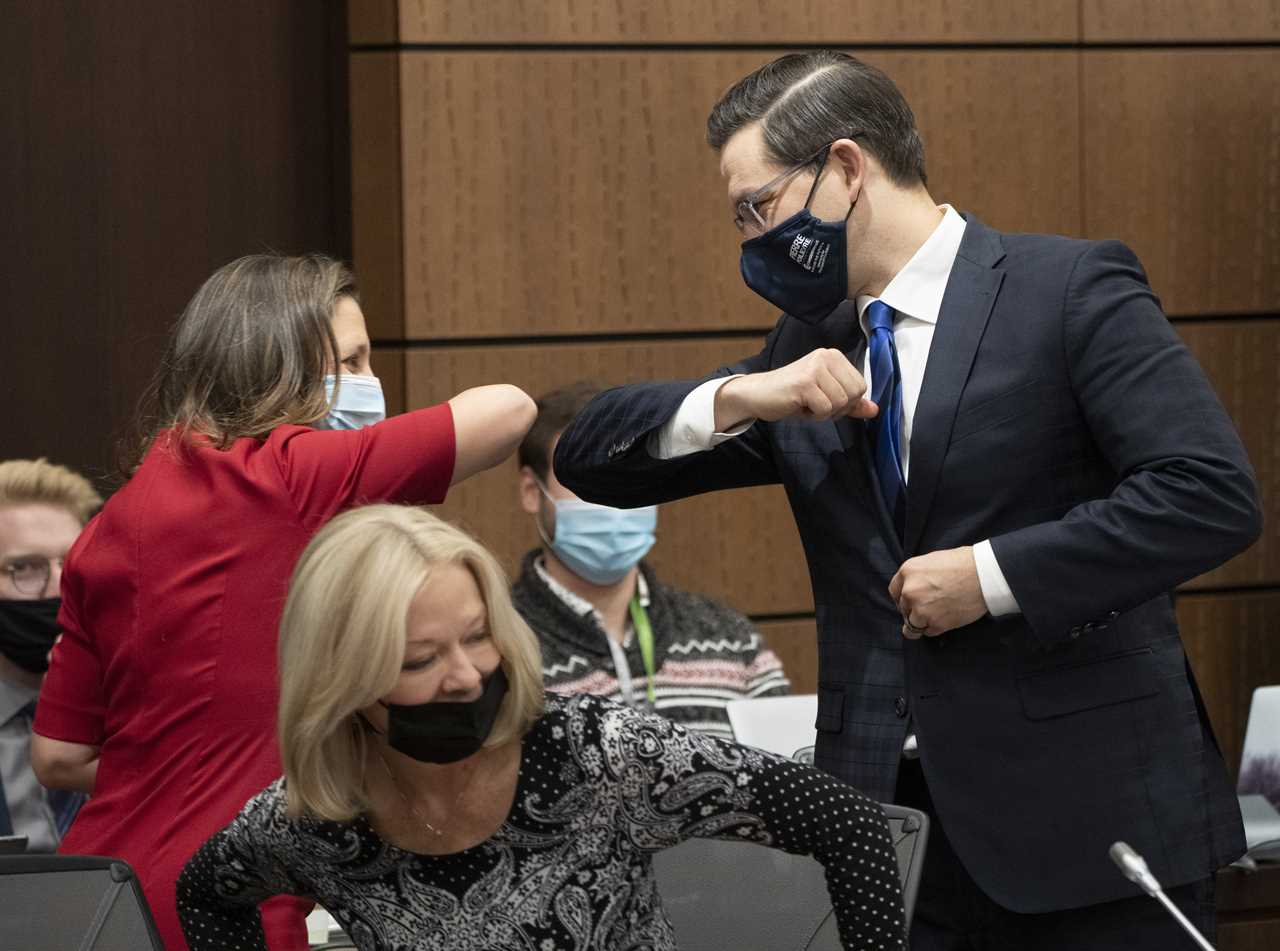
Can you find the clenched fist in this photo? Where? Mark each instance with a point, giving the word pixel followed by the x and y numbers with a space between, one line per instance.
pixel 820 385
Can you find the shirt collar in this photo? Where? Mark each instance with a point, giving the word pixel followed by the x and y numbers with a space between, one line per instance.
pixel 580 605
pixel 13 697
pixel 916 291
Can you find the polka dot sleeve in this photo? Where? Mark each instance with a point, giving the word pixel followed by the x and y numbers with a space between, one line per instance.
pixel 680 784
pixel 230 875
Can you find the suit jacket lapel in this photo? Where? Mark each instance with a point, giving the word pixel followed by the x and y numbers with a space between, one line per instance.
pixel 966 307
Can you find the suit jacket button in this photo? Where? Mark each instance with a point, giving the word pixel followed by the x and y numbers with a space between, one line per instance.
pixel 1075 632
pixel 900 707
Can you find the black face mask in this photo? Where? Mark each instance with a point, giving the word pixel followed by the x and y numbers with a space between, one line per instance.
pixel 437 732
pixel 27 632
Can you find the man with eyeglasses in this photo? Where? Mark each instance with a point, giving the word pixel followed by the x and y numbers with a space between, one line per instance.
pixel 43 508
pixel 1001 460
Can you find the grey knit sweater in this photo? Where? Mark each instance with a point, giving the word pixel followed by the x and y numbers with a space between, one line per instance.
pixel 704 653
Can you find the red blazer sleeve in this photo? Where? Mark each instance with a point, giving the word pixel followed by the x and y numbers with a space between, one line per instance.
pixel 407 458
pixel 71 706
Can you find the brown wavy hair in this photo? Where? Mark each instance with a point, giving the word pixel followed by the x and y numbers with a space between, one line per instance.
pixel 248 354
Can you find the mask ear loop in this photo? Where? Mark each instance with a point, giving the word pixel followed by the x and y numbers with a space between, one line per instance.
pixel 542 532
pixel 814 188
pixel 816 179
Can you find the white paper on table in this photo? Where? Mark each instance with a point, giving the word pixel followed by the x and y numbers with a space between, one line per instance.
pixel 782 725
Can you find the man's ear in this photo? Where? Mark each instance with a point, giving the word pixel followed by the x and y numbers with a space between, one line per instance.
pixel 530 494
pixel 854 165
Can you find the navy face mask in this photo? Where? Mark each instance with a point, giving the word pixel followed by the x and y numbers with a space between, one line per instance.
pixel 800 264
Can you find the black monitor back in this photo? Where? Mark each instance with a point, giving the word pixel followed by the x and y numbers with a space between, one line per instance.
pixel 73 903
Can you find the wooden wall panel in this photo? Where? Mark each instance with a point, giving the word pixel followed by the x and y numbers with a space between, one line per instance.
pixel 1004 151
pixel 719 21
pixel 373 22
pixel 552 192
pixel 1172 20
pixel 739 546
pixel 1240 358
pixel 1232 643
pixel 1248 909
pixel 796 644
pixel 1182 161
pixel 377 191
pixel 388 365
pixel 1248 935
pixel 567 193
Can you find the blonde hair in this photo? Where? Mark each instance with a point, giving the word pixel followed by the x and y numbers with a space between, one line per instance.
pixel 342 645
pixel 41 482
pixel 248 354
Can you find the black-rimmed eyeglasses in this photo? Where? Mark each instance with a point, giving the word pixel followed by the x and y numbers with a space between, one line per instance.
pixel 30 573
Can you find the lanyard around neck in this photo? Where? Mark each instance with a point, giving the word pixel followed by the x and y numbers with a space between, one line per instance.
pixel 644 634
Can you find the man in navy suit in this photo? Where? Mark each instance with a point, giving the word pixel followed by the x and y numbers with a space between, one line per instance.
pixel 1001 460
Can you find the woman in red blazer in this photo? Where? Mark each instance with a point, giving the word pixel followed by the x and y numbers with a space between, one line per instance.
pixel 161 698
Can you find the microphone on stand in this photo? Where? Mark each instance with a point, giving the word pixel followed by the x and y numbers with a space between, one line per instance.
pixel 1134 868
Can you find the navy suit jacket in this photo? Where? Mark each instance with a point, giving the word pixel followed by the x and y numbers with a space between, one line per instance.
pixel 1062 418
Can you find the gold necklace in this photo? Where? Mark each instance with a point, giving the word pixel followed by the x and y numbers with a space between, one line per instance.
pixel 413 810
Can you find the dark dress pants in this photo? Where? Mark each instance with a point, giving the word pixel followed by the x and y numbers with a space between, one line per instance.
pixel 953 914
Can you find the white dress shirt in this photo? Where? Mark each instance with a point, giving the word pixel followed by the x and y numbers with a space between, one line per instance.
pixel 915 294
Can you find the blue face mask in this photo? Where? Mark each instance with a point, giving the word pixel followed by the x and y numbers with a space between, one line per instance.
pixel 599 543
pixel 360 402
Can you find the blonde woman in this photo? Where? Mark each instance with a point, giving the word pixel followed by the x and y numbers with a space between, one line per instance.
pixel 433 797
pixel 265 421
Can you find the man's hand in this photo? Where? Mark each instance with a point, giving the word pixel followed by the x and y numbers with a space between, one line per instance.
pixel 820 385
pixel 938 592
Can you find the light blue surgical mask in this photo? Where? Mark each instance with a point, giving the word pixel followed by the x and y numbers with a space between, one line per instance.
pixel 360 402
pixel 599 543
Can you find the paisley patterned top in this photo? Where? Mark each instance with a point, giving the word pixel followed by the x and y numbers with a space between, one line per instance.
pixel 601 787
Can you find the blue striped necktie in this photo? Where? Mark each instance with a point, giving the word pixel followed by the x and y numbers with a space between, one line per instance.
pixel 886 428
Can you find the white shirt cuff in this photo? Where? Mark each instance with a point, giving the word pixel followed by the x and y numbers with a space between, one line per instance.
pixel 692 428
pixel 995 590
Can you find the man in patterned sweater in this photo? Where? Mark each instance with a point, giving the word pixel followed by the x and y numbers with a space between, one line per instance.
pixel 607 625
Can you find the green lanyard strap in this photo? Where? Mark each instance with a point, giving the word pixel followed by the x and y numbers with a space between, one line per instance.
pixel 644 634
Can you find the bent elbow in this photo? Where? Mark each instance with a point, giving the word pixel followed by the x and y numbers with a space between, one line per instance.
pixel 522 414
pixel 61 765
pixel 1238 523
pixel 1246 521
pixel 514 414
pixel 1252 524
pixel 45 763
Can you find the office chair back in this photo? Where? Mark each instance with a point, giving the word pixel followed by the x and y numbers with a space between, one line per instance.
pixel 722 894
pixel 73 903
